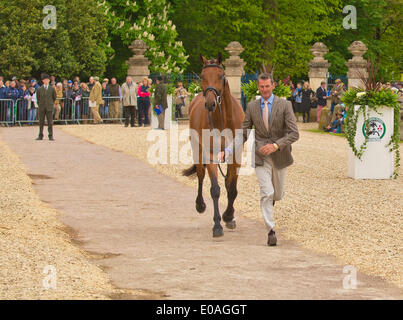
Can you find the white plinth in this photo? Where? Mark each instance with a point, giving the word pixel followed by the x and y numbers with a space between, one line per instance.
pixel 168 116
pixel 377 160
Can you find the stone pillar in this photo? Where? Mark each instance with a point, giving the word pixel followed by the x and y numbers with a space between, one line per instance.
pixel 234 68
pixel 357 66
pixel 138 64
pixel 318 67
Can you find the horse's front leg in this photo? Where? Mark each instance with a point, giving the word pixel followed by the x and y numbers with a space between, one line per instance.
pixel 232 192
pixel 215 194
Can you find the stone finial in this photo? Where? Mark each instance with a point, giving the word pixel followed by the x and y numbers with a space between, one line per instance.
pixel 357 49
pixel 234 48
pixel 318 66
pixel 138 47
pixel 138 63
pixel 357 65
pixel 234 68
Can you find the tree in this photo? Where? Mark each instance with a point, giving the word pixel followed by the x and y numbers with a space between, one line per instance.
pixel 149 21
pixel 379 27
pixel 28 49
pixel 276 35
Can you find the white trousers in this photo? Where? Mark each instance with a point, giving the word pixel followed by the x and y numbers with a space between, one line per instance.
pixel 271 181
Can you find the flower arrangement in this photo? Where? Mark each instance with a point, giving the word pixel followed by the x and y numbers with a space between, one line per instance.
pixel 371 99
pixel 282 90
pixel 194 88
pixel 250 90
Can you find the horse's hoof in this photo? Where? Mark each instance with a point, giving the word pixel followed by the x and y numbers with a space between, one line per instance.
pixel 200 207
pixel 218 233
pixel 231 224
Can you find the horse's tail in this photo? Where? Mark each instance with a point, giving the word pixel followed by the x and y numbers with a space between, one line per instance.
pixel 190 171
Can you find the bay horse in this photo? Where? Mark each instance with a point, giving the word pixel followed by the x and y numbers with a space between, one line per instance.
pixel 214 109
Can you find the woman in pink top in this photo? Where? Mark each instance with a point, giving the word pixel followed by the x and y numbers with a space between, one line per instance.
pixel 144 102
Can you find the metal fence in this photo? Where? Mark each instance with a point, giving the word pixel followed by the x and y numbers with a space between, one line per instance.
pixel 66 110
pixel 7 111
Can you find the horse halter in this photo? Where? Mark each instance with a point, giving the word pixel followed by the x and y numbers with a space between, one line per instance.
pixel 217 93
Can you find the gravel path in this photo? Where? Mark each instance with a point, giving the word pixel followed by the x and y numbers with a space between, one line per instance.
pixel 357 221
pixel 146 234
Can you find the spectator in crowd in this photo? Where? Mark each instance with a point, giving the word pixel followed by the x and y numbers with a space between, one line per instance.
pixel 306 95
pixel 129 96
pixel 59 103
pixel 53 79
pixel 91 83
pixel 114 101
pixel 46 96
pixel 400 89
pixel 104 108
pixel 144 102
pixel 336 126
pixel 77 78
pixel 35 84
pixel 13 93
pixel 96 100
pixel 22 103
pixel 76 96
pixel 297 98
pixel 3 104
pixel 85 94
pixel 321 94
pixel 32 106
pixel 160 99
pixel 180 95
pixel 336 93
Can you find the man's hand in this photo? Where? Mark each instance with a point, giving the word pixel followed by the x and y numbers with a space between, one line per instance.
pixel 222 156
pixel 268 149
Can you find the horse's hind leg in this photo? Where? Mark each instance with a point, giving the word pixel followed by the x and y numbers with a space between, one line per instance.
pixel 232 192
pixel 200 204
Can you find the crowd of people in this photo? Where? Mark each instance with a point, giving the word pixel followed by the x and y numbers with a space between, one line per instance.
pixel 134 98
pixel 303 99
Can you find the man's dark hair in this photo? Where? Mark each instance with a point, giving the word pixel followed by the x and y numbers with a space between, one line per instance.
pixel 265 76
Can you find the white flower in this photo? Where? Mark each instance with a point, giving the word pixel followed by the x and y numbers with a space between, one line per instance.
pixel 127 3
pixel 145 34
pixel 121 24
pixel 173 27
pixel 151 37
pixel 360 94
pixel 113 13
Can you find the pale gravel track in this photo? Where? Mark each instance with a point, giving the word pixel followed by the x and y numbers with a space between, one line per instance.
pixel 32 237
pixel 357 221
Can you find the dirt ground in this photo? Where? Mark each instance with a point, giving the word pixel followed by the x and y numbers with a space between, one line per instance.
pixel 141 228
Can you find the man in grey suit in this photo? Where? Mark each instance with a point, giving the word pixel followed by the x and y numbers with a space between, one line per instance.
pixel 46 97
pixel 275 130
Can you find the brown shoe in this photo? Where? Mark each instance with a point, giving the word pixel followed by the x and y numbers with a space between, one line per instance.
pixel 272 239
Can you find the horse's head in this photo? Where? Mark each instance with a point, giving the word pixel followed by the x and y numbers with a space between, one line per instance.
pixel 213 81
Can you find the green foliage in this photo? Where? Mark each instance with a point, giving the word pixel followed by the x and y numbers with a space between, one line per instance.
pixel 281 90
pixel 250 90
pixel 379 27
pixel 275 33
pixel 194 88
pixel 75 47
pixel 371 100
pixel 150 21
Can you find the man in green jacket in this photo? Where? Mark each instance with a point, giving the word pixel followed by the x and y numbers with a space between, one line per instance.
pixel 160 98
pixel 46 97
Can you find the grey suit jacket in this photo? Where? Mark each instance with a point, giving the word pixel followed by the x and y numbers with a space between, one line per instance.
pixel 283 131
pixel 46 98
